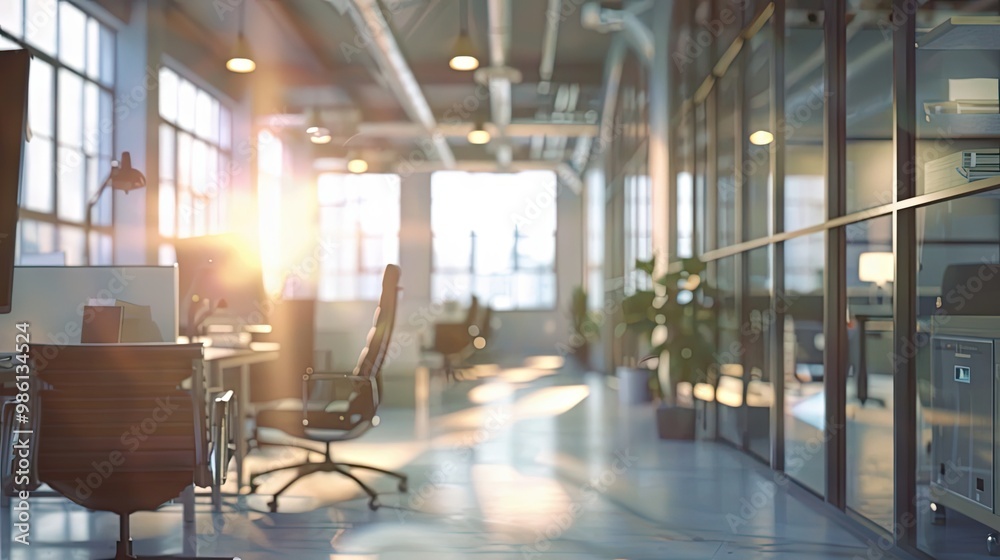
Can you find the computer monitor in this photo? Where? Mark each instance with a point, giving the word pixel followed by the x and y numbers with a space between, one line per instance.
pixel 13 127
pixel 220 275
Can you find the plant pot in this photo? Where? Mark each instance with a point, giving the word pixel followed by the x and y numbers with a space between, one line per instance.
pixel 675 422
pixel 633 385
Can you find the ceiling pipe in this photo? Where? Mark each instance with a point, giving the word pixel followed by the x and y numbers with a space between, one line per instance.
pixel 518 129
pixel 613 66
pixel 549 41
pixel 368 20
pixel 638 35
pixel 498 76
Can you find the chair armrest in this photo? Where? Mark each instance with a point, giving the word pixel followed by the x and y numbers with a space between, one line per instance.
pixel 223 411
pixel 361 407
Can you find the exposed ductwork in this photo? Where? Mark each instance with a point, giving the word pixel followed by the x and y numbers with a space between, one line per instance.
pixel 368 19
pixel 547 65
pixel 638 35
pixel 499 77
pixel 460 130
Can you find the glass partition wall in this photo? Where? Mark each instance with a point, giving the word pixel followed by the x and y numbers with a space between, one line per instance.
pixel 843 165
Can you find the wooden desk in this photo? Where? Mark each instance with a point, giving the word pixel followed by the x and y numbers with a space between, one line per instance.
pixel 218 360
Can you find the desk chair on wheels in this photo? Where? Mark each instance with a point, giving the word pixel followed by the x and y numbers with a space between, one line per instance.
pixel 337 406
pixel 117 432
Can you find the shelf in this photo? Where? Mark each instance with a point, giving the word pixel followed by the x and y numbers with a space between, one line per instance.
pixel 963 33
pixel 950 125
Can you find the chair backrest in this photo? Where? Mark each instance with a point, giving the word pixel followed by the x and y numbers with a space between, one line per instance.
pixel 117 432
pixel 472 315
pixel 376 350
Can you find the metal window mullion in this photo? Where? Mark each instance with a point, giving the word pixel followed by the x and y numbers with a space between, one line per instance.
pixel 835 293
pixel 741 261
pixel 905 285
pixel 777 339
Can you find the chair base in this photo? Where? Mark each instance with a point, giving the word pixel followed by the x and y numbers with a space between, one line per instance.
pixel 328 465
pixel 123 549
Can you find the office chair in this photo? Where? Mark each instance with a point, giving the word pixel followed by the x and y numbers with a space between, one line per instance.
pixel 338 406
pixel 454 341
pixel 116 430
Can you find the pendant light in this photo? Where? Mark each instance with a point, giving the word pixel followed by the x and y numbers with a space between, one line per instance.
pixel 241 61
pixel 463 52
pixel 478 135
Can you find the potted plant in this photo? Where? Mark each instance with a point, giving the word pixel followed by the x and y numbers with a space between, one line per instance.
pixel 674 320
pixel 585 328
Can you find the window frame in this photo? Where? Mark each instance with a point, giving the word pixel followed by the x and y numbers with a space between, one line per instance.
pixel 100 236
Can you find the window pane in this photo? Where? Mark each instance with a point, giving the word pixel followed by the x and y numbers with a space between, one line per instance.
pixel 91 118
pixel 37 190
pixel 203 114
pixel 71 243
pixel 70 109
pixel 168 94
pixel 167 152
pixel 101 246
pixel 225 129
pixel 71 179
pixel 97 170
pixel 107 56
pixel 93 49
pixel 40 24
pixel 40 83
pixel 537 253
pixel 37 238
pixel 475 219
pixel 106 125
pixel 183 161
pixel 72 36
pixel 168 209
pixel 452 252
pixel 186 96
pixel 494 254
pixel 10 16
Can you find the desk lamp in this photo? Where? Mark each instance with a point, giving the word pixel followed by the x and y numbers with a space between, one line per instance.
pixel 123 177
pixel 878 268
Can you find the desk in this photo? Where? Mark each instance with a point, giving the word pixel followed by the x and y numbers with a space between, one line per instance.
pixel 220 359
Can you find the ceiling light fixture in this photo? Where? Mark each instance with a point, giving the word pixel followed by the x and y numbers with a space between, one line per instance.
pixel 313 121
pixel 241 61
pixel 463 52
pixel 357 165
pixel 321 135
pixel 761 138
pixel 478 135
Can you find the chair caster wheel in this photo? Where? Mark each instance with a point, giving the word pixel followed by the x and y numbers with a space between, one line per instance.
pixel 373 504
pixel 273 506
pixel 403 487
pixel 993 543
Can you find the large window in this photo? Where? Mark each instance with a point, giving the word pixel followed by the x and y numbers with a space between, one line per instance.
pixel 495 237
pixel 359 224
pixel 71 120
pixel 195 161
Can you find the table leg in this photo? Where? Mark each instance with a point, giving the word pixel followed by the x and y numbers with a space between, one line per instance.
pixel 187 499
pixel 242 407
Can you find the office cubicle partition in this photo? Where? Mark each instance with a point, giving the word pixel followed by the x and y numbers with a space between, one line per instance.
pixel 52 299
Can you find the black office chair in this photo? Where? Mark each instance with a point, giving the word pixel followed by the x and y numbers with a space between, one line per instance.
pixel 116 430
pixel 454 341
pixel 338 406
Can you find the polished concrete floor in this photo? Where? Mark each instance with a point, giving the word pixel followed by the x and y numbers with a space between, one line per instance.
pixel 525 462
